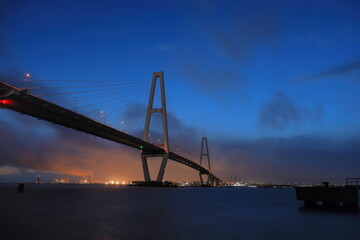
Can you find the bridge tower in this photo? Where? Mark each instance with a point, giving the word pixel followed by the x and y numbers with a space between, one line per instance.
pixel 150 110
pixel 204 153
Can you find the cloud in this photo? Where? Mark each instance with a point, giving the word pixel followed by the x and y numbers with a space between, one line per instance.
pixel 215 65
pixel 212 80
pixel 281 112
pixel 334 71
pixel 49 148
pixel 296 159
pixel 239 37
pixel 7 170
pixel 65 152
pixel 240 32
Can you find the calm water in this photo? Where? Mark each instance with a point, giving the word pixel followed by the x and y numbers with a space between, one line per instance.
pixel 100 212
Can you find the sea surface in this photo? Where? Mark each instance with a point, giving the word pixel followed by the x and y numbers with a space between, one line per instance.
pixel 45 211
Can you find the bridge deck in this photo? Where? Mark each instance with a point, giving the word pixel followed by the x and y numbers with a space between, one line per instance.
pixel 25 103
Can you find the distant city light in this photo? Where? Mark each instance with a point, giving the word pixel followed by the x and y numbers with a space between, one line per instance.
pixel 112 182
pixel 27 75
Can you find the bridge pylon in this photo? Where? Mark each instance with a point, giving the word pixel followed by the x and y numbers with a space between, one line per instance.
pixel 150 110
pixel 205 154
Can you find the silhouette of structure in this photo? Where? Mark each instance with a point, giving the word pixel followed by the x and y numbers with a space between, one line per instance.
pixel 331 197
pixel 165 145
pixel 20 100
pixel 204 153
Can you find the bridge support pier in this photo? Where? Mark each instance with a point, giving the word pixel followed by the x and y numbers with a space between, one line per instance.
pixel 145 168
pixel 150 110
pixel 161 173
pixel 202 180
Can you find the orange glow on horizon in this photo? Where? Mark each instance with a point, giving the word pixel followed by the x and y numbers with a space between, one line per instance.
pixel 112 170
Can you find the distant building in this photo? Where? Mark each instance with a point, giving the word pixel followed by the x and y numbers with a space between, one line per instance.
pixel 240 184
pixel 63 180
pixel 38 179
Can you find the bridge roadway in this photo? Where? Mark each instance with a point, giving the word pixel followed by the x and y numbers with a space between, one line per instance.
pixel 26 103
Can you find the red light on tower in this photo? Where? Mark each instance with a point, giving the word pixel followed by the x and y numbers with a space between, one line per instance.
pixel 4 101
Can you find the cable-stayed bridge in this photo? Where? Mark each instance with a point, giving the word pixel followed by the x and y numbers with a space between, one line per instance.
pixel 24 102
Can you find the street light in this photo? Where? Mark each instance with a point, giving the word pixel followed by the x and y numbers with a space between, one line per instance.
pixel 123 125
pixel 28 77
pixel 103 115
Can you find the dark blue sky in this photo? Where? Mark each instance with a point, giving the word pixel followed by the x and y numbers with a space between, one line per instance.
pixel 263 80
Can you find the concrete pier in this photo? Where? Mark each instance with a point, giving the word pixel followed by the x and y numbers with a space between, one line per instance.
pixel 331 197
